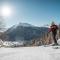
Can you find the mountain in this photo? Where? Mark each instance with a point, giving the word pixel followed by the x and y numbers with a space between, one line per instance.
pixel 21 25
pixel 24 32
pixel 29 34
pixel 25 25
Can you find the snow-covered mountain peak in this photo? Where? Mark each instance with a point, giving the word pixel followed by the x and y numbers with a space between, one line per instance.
pixel 25 25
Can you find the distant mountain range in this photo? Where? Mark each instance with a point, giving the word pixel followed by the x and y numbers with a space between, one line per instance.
pixel 28 34
pixel 25 31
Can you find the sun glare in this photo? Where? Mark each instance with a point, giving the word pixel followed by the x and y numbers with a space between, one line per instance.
pixel 6 11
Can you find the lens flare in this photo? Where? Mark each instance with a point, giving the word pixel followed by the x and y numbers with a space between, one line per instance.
pixel 6 11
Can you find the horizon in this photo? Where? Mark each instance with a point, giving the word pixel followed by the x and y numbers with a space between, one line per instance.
pixel 34 12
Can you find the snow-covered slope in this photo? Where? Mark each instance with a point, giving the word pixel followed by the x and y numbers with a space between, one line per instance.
pixel 30 53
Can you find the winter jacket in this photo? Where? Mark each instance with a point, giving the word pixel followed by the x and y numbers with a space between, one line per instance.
pixel 53 28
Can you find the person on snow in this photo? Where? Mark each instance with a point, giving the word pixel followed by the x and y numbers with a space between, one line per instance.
pixel 53 28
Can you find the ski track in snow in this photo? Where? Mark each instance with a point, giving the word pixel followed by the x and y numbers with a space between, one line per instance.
pixel 30 53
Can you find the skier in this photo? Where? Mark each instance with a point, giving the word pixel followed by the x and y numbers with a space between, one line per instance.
pixel 53 28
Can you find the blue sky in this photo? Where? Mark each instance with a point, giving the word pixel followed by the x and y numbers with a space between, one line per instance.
pixel 35 12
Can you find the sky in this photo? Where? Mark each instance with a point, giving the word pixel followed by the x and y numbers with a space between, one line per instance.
pixel 35 12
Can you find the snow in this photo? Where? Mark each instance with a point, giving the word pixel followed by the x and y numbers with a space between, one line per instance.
pixel 46 52
pixel 30 53
pixel 12 44
pixel 58 41
pixel 7 43
pixel 1 42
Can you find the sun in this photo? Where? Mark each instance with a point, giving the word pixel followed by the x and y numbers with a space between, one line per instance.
pixel 6 11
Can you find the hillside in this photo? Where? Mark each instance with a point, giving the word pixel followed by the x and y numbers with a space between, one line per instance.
pixel 29 34
pixel 24 31
pixel 46 38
